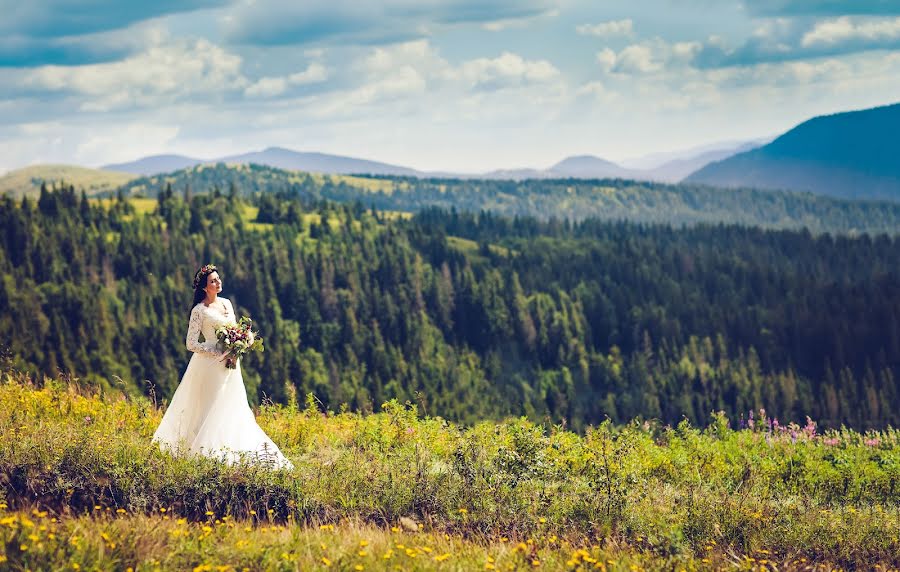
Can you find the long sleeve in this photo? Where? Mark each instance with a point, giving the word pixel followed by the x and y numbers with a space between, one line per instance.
pixel 193 336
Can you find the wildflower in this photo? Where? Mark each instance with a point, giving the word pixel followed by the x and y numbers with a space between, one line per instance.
pixel 326 561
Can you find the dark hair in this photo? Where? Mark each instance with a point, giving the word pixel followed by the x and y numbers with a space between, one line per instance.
pixel 200 279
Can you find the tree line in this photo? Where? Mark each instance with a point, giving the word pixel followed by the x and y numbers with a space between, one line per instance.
pixel 471 315
pixel 573 199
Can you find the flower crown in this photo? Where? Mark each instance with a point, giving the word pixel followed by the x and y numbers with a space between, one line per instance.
pixel 207 269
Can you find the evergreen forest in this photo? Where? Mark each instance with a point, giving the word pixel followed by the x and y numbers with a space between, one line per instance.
pixel 470 315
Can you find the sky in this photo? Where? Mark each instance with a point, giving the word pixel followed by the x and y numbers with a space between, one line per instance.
pixel 438 85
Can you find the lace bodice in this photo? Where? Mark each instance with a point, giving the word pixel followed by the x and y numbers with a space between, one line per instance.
pixel 205 320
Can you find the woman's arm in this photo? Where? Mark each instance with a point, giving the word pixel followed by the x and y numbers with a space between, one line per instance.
pixel 192 342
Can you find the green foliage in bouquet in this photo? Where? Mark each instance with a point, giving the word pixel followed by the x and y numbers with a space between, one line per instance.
pixel 237 339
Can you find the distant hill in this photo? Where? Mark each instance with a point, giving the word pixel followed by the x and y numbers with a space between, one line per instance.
pixel 277 157
pixel 672 170
pixel 155 164
pixel 281 158
pixel 677 169
pixel 27 181
pixel 511 174
pixel 850 155
pixel 590 167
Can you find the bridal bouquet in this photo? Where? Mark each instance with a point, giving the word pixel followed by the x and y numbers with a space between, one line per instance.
pixel 238 339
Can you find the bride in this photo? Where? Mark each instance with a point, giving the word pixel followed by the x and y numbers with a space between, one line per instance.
pixel 209 413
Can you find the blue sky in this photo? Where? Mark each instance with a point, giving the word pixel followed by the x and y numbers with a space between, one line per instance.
pixel 462 85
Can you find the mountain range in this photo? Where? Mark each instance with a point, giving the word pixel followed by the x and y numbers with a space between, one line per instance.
pixel 852 155
pixel 672 170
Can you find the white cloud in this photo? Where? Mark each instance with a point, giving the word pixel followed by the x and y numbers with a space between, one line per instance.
pixel 604 29
pixel 413 80
pixel 274 86
pixel 507 70
pixel 607 59
pixel 648 57
pixel 314 73
pixel 385 74
pixel 163 73
pixel 267 87
pixel 844 29
pixel 638 58
pixel 597 91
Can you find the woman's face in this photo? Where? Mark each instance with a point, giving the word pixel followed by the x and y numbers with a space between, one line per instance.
pixel 213 283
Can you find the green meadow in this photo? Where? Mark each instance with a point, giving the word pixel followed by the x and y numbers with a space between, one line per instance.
pixel 84 489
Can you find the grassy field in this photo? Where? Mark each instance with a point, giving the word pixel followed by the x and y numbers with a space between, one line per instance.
pixel 27 181
pixel 83 488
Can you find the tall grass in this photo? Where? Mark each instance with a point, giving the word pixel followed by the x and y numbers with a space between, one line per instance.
pixel 647 495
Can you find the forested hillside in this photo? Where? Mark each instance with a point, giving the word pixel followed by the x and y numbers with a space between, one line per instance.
pixel 470 316
pixel 850 155
pixel 576 199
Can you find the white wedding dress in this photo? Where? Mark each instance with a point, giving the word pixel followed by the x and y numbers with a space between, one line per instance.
pixel 209 413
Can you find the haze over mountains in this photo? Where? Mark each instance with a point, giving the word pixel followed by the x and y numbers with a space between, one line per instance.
pixel 582 167
pixel 848 155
